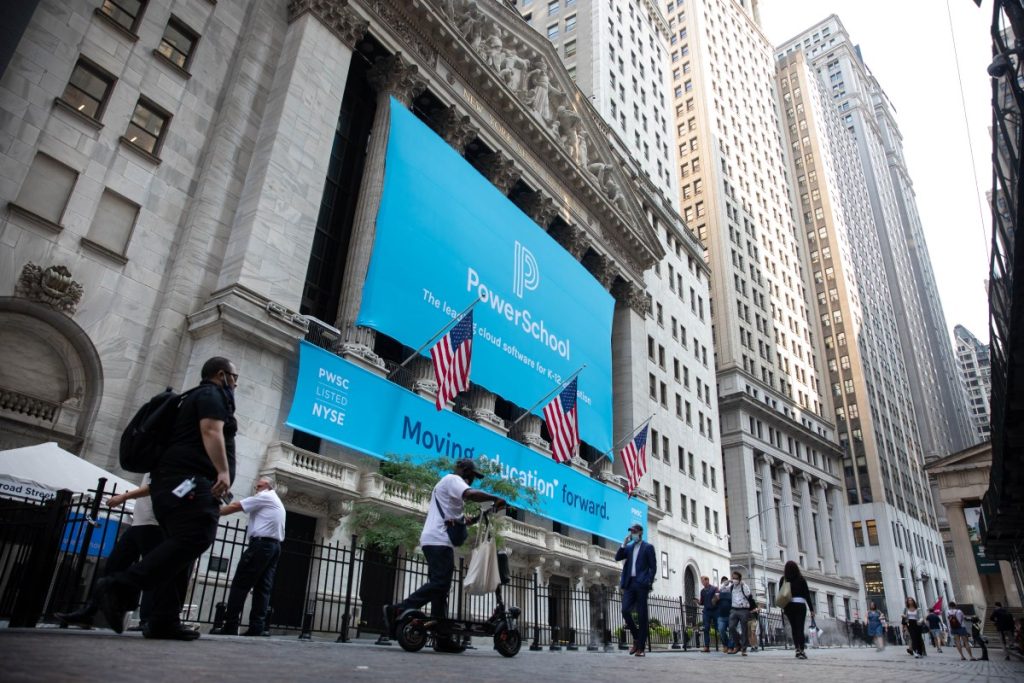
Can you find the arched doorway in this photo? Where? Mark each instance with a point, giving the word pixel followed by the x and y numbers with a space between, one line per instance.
pixel 51 379
pixel 690 596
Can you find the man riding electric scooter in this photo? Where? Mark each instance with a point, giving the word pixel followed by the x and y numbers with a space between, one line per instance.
pixel 445 521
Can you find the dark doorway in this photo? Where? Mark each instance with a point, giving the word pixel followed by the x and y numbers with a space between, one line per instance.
pixel 558 608
pixel 377 587
pixel 690 594
pixel 288 599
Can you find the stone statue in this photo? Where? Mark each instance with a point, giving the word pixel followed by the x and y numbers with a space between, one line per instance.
pixel 571 132
pixel 471 26
pixel 511 69
pixel 493 52
pixel 539 90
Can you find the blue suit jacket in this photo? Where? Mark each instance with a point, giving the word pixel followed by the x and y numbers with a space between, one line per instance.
pixel 646 565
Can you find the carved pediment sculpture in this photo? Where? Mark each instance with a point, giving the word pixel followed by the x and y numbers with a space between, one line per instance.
pixel 52 286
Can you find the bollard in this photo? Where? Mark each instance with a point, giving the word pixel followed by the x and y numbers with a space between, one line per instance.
pixel 307 627
pixel 622 639
pixel 572 646
pixel 218 614
pixel 554 646
pixel 343 636
pixel 675 640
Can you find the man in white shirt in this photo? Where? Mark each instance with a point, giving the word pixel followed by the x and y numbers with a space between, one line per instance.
pixel 447 507
pixel 258 565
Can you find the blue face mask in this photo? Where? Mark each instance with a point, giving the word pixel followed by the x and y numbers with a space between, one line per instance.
pixel 634 537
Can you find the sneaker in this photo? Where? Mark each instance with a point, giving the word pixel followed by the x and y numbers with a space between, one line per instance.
pixel 226 630
pixel 177 632
pixel 917 656
pixel 743 654
pixel 706 650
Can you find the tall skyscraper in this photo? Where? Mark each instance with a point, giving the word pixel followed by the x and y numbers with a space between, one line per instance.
pixel 617 52
pixel 976 371
pixel 786 499
pixel 867 112
pixel 893 518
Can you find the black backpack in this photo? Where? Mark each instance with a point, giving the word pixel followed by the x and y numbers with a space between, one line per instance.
pixel 148 432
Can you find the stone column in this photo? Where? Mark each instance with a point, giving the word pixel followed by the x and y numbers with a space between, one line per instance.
pixel 498 169
pixel 482 404
pixel 268 247
pixel 970 590
pixel 629 351
pixel 390 77
pixel 824 528
pixel 527 432
pixel 770 524
pixel 789 542
pixel 807 521
pixel 457 129
pixel 843 534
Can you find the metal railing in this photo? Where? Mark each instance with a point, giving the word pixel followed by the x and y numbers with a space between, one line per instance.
pixel 52 552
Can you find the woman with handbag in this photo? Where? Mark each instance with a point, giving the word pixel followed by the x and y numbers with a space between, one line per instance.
pixel 797 606
pixel 913 618
pixel 876 626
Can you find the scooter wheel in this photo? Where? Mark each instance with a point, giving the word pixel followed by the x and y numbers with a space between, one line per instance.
pixel 411 635
pixel 507 641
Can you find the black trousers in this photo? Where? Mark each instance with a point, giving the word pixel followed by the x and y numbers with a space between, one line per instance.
pixel 255 572
pixel 796 613
pixel 634 599
pixel 189 525
pixel 916 638
pixel 440 569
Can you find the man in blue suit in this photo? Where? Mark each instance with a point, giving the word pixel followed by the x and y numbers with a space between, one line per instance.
pixel 638 576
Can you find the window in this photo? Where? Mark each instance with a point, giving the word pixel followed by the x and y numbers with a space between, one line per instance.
pixel 707 519
pixel 858 535
pixel 715 513
pixel 124 13
pixel 872 532
pixel 570 48
pixel 668 499
pixel 88 89
pixel 553 7
pixel 113 223
pixel 552 31
pixel 178 43
pixel 693 470
pixel 704 473
pixel 693 512
pixel 148 126
pixel 46 189
pixel 683 512
pixel 570 24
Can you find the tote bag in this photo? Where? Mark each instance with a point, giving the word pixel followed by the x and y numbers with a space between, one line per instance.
pixel 483 576
pixel 785 595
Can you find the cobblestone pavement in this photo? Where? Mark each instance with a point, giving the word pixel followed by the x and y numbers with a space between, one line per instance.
pixel 54 655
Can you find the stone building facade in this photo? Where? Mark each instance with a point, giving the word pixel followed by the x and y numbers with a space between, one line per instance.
pixel 781 461
pixel 201 178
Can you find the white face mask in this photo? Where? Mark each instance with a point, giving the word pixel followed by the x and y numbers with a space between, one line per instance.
pixel 635 537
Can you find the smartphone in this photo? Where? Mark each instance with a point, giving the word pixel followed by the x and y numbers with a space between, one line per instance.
pixel 227 498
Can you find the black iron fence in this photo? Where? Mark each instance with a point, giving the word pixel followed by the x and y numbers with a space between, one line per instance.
pixel 51 554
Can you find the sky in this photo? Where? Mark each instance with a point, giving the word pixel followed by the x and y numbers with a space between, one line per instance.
pixel 913 47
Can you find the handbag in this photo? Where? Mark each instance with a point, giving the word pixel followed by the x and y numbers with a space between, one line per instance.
pixel 484 574
pixel 457 530
pixel 785 595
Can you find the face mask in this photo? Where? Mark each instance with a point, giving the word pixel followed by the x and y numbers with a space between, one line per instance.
pixel 229 390
pixel 634 537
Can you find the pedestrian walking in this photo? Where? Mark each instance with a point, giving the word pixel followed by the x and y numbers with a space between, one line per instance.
pixel 142 536
pixel 723 609
pixel 742 600
pixel 258 564
pixel 877 626
pixel 935 628
pixel 707 601
pixel 799 606
pixel 1004 624
pixel 638 574
pixel 979 639
pixel 914 621
pixel 958 629
pixel 195 470
pixel 752 625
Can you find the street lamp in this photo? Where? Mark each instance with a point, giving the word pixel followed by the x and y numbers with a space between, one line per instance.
pixel 764 545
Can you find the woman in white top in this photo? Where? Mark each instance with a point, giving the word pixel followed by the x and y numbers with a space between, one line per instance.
pixel 914 619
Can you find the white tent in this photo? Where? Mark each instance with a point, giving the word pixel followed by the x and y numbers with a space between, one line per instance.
pixel 40 471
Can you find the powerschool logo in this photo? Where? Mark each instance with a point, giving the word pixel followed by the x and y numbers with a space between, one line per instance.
pixel 525 277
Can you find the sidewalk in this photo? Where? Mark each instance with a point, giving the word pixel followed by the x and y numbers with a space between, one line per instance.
pixel 57 655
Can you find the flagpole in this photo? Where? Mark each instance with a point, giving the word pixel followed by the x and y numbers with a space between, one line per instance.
pixel 437 334
pixel 623 440
pixel 548 395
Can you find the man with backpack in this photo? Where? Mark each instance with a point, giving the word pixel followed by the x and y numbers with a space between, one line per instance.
pixel 739 615
pixel 193 475
pixel 958 629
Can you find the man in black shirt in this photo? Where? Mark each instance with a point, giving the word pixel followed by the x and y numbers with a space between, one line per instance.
pixel 194 473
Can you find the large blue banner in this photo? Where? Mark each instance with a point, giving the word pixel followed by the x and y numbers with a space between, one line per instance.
pixel 446 236
pixel 343 403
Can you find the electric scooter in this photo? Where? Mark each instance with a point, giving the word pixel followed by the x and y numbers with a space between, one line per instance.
pixel 414 629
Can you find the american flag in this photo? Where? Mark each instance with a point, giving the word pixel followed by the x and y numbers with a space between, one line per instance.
pixel 634 457
pixel 561 418
pixel 451 356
